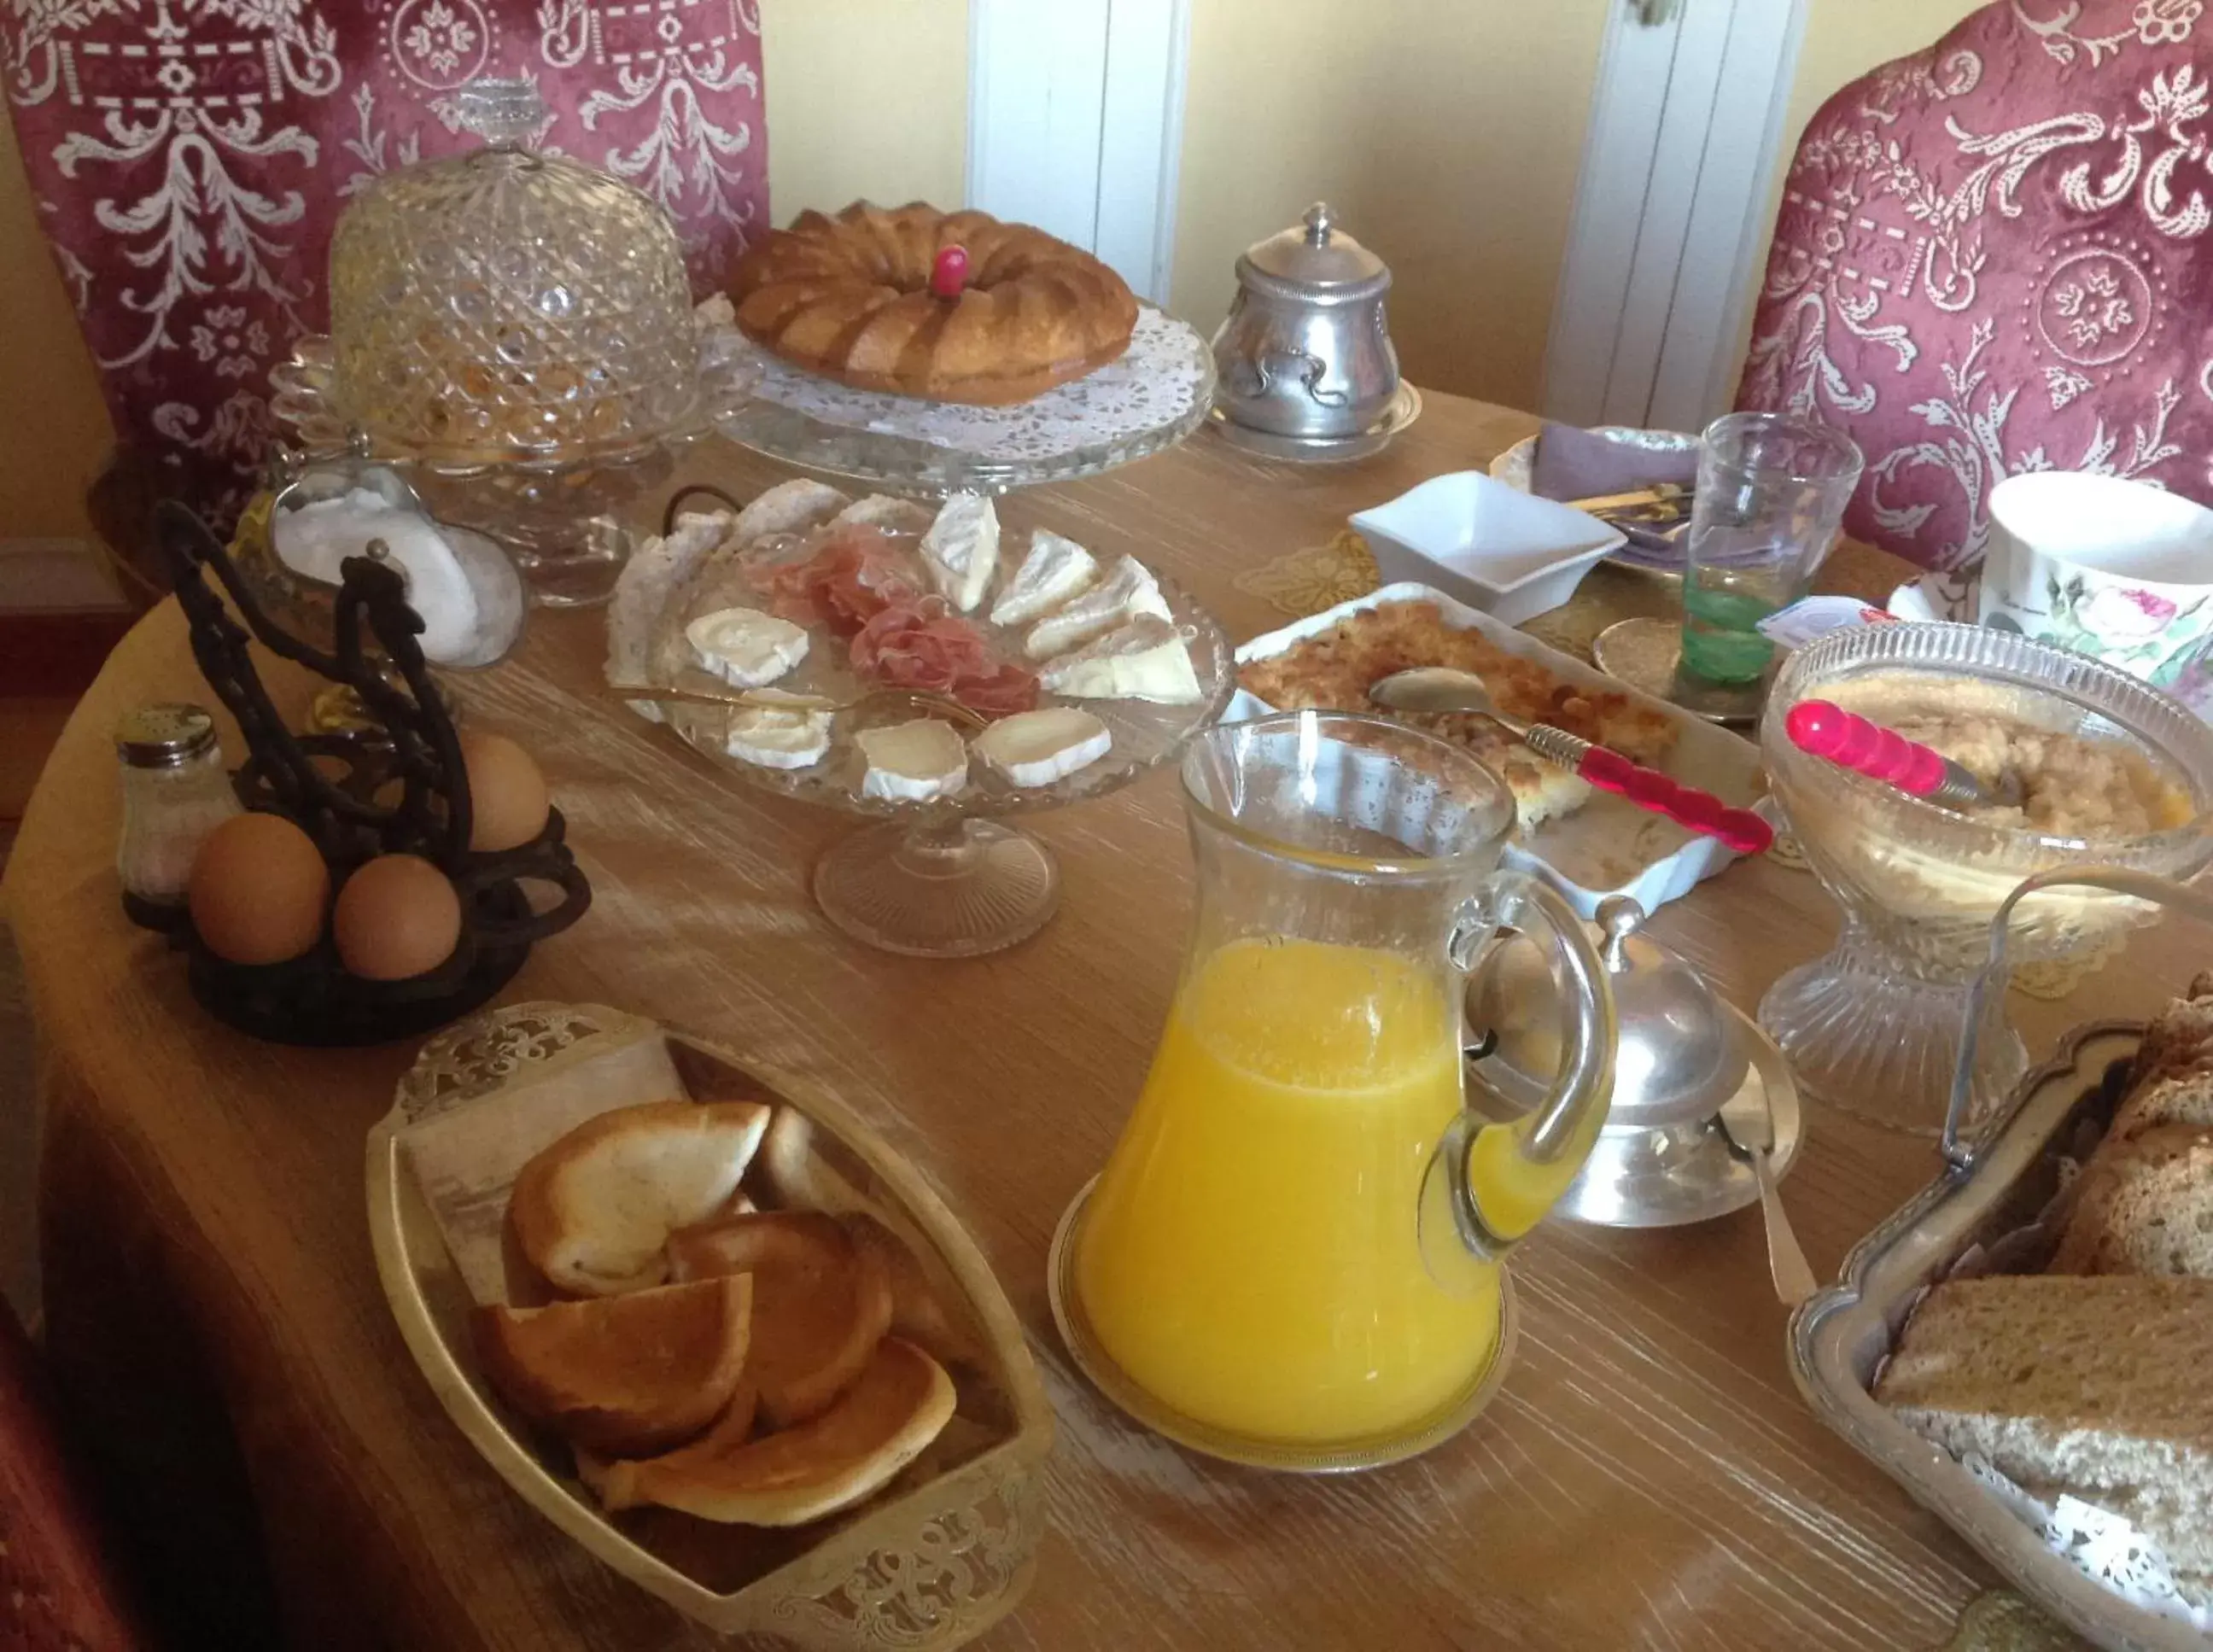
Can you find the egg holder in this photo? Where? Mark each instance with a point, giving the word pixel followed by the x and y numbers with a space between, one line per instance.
pixel 328 784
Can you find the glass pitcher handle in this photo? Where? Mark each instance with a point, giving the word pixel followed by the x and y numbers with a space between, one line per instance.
pixel 1989 983
pixel 1488 1183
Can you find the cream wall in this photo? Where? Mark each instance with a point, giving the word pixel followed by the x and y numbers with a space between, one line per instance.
pixel 866 98
pixel 1446 134
pixel 53 429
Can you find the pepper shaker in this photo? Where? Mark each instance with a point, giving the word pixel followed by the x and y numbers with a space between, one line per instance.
pixel 176 791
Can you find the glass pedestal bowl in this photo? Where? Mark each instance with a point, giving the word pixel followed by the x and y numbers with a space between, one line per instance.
pixel 1873 1026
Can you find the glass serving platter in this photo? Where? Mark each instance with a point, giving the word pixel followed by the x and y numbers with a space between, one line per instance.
pixel 944 877
pixel 1149 399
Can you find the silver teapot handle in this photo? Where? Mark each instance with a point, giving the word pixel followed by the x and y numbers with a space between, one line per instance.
pixel 1990 983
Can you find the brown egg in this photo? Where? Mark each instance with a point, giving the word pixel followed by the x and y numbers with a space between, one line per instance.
pixel 257 889
pixel 397 917
pixel 507 793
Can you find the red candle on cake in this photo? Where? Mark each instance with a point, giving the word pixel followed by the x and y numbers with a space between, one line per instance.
pixel 949 274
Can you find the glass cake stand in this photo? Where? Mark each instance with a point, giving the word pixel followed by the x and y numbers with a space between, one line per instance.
pixel 1151 399
pixel 947 877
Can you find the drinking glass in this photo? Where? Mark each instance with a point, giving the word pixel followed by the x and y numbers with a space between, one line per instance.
pixel 1771 494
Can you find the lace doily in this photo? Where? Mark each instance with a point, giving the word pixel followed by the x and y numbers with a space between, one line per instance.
pixel 1156 394
pixel 2106 1548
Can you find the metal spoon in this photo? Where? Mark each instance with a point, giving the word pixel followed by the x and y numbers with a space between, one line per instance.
pixel 1748 1125
pixel 1440 688
pixel 934 705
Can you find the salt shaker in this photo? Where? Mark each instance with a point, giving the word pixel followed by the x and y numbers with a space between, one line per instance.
pixel 176 791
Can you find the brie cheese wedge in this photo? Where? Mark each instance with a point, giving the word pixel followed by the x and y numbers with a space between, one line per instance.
pixel 913 761
pixel 1056 569
pixel 1126 592
pixel 774 738
pixel 1035 748
pixel 1144 659
pixel 745 646
pixel 961 550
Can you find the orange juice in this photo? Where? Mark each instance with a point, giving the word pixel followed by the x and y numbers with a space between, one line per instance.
pixel 1252 1256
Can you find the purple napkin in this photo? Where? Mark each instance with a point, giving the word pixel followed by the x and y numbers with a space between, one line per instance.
pixel 1573 464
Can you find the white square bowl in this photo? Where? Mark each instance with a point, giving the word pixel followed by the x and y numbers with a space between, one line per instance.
pixel 1509 553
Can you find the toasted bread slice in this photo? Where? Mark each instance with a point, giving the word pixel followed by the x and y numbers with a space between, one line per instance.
pixel 918 1313
pixel 594 1211
pixel 731 1430
pixel 821 1302
pixel 626 1376
pixel 879 1426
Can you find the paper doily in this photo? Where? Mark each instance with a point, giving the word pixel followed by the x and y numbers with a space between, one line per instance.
pixel 2106 1547
pixel 1154 395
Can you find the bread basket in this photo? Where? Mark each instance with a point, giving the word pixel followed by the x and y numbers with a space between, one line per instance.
pixel 1989 1210
pixel 928 1562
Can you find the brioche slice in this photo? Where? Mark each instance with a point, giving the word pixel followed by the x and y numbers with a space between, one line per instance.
pixel 821 1303
pixel 2092 1386
pixel 731 1430
pixel 594 1211
pixel 881 1424
pixel 918 1313
pixel 2145 1205
pixel 624 1376
pixel 799 1177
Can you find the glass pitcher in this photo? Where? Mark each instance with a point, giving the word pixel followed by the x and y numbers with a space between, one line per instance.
pixel 1295 1244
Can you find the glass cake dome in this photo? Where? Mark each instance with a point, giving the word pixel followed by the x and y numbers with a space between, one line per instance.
pixel 505 300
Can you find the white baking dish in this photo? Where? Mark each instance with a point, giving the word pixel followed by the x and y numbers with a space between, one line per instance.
pixel 1607 847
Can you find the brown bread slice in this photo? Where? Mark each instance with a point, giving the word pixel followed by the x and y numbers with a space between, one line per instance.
pixel 878 1426
pixel 2179 1040
pixel 2145 1206
pixel 2172 1099
pixel 2093 1386
pixel 622 1375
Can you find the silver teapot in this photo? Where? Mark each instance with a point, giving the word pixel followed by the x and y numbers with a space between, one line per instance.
pixel 1306 351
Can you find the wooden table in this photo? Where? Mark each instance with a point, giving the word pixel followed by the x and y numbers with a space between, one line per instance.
pixel 1647 1477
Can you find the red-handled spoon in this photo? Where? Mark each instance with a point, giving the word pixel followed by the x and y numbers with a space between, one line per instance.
pixel 1440 688
pixel 1824 730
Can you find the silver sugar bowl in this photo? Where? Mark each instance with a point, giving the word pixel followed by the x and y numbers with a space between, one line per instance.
pixel 1306 352
pixel 1686 1059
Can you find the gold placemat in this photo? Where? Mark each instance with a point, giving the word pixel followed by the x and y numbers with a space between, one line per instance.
pixel 1317 578
pixel 2000 1621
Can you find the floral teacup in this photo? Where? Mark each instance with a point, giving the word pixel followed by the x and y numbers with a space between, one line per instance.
pixel 2118 570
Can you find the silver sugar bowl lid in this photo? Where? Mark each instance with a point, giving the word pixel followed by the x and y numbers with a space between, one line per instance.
pixel 1679 1058
pixel 1315 262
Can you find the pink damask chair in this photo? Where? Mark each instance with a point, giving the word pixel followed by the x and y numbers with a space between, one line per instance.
pixel 1996 255
pixel 189 157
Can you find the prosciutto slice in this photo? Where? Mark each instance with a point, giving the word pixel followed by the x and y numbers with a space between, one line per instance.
pixel 920 644
pixel 853 575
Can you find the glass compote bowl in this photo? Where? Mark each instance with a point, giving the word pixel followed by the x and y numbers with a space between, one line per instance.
pixel 514 331
pixel 1873 1026
pixel 949 877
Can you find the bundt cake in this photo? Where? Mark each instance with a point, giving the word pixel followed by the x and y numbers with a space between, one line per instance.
pixel 851 298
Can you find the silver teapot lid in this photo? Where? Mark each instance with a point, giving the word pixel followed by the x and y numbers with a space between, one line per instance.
pixel 1677 1060
pixel 1314 259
